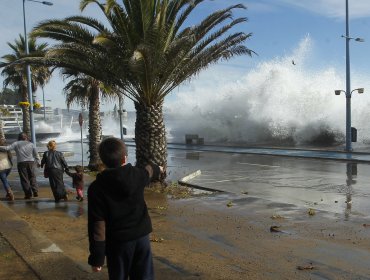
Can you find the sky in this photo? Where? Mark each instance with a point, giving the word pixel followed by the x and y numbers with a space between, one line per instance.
pixel 277 26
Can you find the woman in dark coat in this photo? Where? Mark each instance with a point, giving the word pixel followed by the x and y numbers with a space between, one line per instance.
pixel 55 165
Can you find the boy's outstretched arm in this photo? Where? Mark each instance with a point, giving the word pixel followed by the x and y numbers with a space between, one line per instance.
pixel 154 171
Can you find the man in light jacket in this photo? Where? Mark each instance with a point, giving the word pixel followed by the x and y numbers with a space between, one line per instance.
pixel 27 156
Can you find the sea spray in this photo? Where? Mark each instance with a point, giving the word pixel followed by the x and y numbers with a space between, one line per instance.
pixel 277 101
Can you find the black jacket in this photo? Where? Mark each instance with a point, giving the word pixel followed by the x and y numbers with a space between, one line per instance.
pixel 116 208
pixel 54 159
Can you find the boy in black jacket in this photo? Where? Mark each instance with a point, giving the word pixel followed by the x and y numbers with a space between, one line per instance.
pixel 118 218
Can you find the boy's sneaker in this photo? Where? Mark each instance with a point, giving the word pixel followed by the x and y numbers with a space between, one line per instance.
pixel 81 199
pixel 35 194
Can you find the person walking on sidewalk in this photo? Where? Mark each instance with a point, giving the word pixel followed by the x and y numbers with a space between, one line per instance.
pixel 27 156
pixel 55 164
pixel 6 164
pixel 77 181
pixel 118 218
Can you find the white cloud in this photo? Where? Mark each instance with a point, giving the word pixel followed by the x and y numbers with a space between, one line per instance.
pixel 334 8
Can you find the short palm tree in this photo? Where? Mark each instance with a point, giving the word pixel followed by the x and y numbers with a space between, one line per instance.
pixel 146 51
pixel 84 90
pixel 2 134
pixel 16 76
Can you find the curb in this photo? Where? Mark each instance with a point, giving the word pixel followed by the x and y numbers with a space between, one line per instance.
pixel 184 181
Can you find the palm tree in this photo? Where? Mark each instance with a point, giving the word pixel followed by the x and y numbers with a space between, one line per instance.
pixel 85 90
pixel 2 134
pixel 16 76
pixel 146 51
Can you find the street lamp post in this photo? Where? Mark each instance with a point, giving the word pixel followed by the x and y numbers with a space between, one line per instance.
pixel 120 112
pixel 348 95
pixel 28 69
pixel 43 101
pixel 348 91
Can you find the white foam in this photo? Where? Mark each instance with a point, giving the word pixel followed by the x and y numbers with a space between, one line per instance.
pixel 275 99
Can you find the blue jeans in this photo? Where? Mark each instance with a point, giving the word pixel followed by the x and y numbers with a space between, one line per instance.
pixel 131 259
pixel 3 177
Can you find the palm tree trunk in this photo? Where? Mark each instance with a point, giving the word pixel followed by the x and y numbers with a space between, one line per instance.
pixel 150 135
pixel 95 130
pixel 2 134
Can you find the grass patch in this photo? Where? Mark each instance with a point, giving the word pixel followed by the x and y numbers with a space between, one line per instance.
pixel 174 190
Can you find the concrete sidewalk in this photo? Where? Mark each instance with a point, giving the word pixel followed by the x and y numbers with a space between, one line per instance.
pixel 44 259
pixel 286 152
pixel 41 258
pixel 330 153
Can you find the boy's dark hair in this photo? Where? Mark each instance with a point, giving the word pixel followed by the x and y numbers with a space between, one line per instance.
pixel 112 152
pixel 22 136
pixel 79 169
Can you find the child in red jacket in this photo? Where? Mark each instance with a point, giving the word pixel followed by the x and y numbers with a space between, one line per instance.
pixel 78 181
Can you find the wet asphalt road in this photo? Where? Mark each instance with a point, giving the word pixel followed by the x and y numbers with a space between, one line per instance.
pixel 334 186
pixel 300 177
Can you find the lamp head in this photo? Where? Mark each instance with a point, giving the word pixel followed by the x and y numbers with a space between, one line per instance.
pixel 42 2
pixel 360 90
pixel 360 40
pixel 337 92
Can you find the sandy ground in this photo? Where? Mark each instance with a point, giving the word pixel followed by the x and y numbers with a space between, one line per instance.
pixel 218 236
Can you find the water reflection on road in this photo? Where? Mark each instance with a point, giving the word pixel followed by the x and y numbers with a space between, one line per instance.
pixel 333 186
pixel 74 209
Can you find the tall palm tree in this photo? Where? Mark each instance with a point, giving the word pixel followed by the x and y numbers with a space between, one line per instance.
pixel 146 50
pixel 16 76
pixel 85 90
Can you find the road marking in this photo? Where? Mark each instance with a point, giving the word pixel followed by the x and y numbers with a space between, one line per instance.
pixel 246 163
pixel 191 176
pixel 53 248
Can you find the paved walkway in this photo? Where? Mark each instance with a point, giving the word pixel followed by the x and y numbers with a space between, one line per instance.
pixel 288 152
pixel 360 155
pixel 38 257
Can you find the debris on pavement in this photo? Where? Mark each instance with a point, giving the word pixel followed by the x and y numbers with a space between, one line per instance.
pixel 276 217
pixel 156 239
pixel 275 229
pixel 311 212
pixel 305 267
